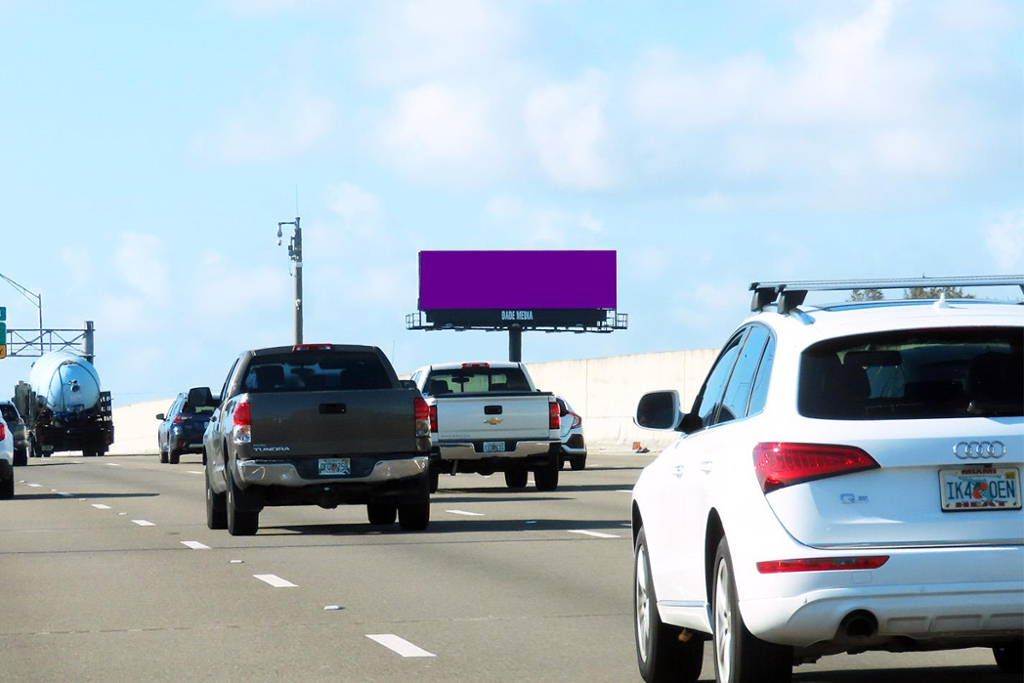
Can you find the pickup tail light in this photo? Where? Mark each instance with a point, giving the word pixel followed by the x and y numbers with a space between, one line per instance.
pixel 554 418
pixel 311 347
pixel 422 411
pixel 241 428
pixel 781 464
pixel 433 418
pixel 821 564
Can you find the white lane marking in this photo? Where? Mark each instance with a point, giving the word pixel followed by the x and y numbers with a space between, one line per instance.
pixel 53 490
pixel 194 471
pixel 332 608
pixel 142 522
pixel 463 512
pixel 195 545
pixel 35 486
pixel 275 580
pixel 595 534
pixel 399 645
pixel 122 514
pixel 112 464
pixel 623 490
pixel 236 562
pixel 101 506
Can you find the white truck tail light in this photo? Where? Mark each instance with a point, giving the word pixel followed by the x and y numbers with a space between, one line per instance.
pixel 554 416
pixel 433 418
pixel 241 430
pixel 782 464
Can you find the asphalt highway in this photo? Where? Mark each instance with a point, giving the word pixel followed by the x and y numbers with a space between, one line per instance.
pixel 108 573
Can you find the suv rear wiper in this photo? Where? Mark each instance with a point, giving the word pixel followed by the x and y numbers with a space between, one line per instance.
pixel 995 408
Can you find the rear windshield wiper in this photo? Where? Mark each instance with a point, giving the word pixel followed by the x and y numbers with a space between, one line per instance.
pixel 995 408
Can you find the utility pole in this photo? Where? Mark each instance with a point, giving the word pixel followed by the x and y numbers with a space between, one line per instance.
pixel 295 254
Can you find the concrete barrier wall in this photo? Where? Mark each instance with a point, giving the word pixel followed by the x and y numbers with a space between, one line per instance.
pixel 605 391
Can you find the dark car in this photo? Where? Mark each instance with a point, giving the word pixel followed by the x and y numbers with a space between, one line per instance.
pixel 181 429
pixel 19 430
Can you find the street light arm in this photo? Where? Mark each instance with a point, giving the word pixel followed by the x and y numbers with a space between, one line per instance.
pixel 24 291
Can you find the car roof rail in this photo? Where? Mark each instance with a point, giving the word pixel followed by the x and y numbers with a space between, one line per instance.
pixel 787 295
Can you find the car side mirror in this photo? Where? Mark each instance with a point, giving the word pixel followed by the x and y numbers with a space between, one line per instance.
pixel 407 384
pixel 659 410
pixel 160 416
pixel 200 396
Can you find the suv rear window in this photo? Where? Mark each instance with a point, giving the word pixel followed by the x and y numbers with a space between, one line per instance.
pixel 914 374
pixel 9 412
pixel 315 371
pixel 475 380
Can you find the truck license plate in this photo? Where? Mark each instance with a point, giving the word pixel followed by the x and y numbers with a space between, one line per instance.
pixel 335 466
pixel 494 446
pixel 980 488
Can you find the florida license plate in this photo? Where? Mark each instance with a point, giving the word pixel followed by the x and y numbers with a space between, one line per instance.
pixel 980 488
pixel 494 446
pixel 335 466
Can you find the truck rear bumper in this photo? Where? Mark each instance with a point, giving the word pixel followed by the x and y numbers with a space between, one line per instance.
pixel 276 473
pixel 467 450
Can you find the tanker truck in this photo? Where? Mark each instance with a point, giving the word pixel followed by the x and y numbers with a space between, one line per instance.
pixel 64 408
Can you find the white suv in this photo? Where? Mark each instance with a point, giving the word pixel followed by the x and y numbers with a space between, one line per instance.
pixel 6 461
pixel 848 479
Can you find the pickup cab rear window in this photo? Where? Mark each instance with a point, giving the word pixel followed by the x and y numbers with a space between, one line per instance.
pixel 909 374
pixel 315 371
pixel 475 380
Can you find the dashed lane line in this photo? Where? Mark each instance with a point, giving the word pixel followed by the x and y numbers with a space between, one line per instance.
pixel 595 534
pixel 142 522
pixel 465 513
pixel 112 464
pixel 36 486
pixel 399 645
pixel 275 580
pixel 195 545
pixel 194 471
pixel 101 506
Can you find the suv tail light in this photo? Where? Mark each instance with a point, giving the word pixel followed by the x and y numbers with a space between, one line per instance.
pixel 554 417
pixel 177 419
pixel 781 464
pixel 433 418
pixel 821 564
pixel 422 411
pixel 3 431
pixel 242 423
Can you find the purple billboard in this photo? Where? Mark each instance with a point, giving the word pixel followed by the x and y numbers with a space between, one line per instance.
pixel 511 280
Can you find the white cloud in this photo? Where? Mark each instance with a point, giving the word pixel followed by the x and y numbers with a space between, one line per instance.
pixel 566 124
pixel 438 130
pixel 271 128
pixel 360 210
pixel 141 262
pixel 1005 241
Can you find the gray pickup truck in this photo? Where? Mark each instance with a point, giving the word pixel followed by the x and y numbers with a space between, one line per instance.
pixel 315 424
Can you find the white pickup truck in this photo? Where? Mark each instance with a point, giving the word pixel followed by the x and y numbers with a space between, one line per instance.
pixel 489 417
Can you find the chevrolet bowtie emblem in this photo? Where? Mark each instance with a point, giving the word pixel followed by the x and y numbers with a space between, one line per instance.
pixel 493 421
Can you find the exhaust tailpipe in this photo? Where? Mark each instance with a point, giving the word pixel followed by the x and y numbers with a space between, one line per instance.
pixel 858 624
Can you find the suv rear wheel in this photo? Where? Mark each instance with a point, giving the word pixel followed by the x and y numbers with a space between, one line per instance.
pixel 7 488
pixel 173 456
pixel 740 656
pixel 20 457
pixel 659 652
pixel 1010 658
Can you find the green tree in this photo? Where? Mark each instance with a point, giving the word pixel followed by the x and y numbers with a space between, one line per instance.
pixel 869 294
pixel 935 293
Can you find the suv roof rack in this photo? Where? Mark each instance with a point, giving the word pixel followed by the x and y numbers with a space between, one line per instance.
pixel 790 294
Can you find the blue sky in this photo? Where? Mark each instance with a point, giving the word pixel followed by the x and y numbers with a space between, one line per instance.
pixel 147 151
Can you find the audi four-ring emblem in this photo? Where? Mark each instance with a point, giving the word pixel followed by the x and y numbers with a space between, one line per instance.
pixel 972 450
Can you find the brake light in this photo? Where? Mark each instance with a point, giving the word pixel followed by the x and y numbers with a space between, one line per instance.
pixel 576 420
pixel 554 419
pixel 311 347
pixel 781 464
pixel 821 564
pixel 467 366
pixel 422 411
pixel 242 423
pixel 433 418
pixel 177 419
pixel 3 431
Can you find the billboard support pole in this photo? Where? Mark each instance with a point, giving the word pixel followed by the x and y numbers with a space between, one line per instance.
pixel 515 343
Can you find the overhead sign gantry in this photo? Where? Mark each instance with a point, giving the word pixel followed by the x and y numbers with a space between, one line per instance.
pixel 515 291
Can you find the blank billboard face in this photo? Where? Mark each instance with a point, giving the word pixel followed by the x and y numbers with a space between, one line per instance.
pixel 493 280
